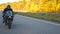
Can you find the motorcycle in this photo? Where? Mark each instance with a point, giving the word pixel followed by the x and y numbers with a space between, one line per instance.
pixel 8 20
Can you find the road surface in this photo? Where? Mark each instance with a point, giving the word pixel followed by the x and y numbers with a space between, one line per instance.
pixel 27 25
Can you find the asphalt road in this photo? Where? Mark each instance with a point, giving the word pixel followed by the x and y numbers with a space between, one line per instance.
pixel 27 25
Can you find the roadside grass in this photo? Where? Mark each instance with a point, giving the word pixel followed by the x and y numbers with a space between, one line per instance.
pixel 45 16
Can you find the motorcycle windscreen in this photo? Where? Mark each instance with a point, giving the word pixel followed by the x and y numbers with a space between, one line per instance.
pixel 9 13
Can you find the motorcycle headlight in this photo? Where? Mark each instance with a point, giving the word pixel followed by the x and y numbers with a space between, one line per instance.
pixel 9 16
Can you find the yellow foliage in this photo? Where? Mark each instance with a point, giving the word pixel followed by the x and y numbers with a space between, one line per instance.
pixel 35 5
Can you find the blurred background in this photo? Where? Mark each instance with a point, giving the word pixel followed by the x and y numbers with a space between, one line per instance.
pixel 34 5
pixel 45 9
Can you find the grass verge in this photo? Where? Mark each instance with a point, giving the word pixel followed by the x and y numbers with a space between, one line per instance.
pixel 46 16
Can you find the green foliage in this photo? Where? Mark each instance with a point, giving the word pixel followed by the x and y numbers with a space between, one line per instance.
pixel 46 16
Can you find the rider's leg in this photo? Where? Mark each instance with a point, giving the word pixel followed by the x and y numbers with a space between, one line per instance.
pixel 6 21
pixel 3 19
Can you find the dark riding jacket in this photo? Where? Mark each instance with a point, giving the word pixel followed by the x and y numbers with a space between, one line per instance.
pixel 7 9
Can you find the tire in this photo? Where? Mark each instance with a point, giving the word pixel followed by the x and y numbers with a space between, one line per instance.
pixel 9 24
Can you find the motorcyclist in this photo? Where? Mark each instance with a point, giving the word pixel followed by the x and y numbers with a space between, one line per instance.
pixel 4 12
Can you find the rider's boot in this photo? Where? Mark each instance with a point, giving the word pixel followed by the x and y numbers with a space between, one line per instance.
pixel 3 21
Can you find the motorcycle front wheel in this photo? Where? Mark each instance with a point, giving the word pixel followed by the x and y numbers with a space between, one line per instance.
pixel 9 24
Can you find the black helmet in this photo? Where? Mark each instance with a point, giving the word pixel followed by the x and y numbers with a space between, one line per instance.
pixel 8 6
